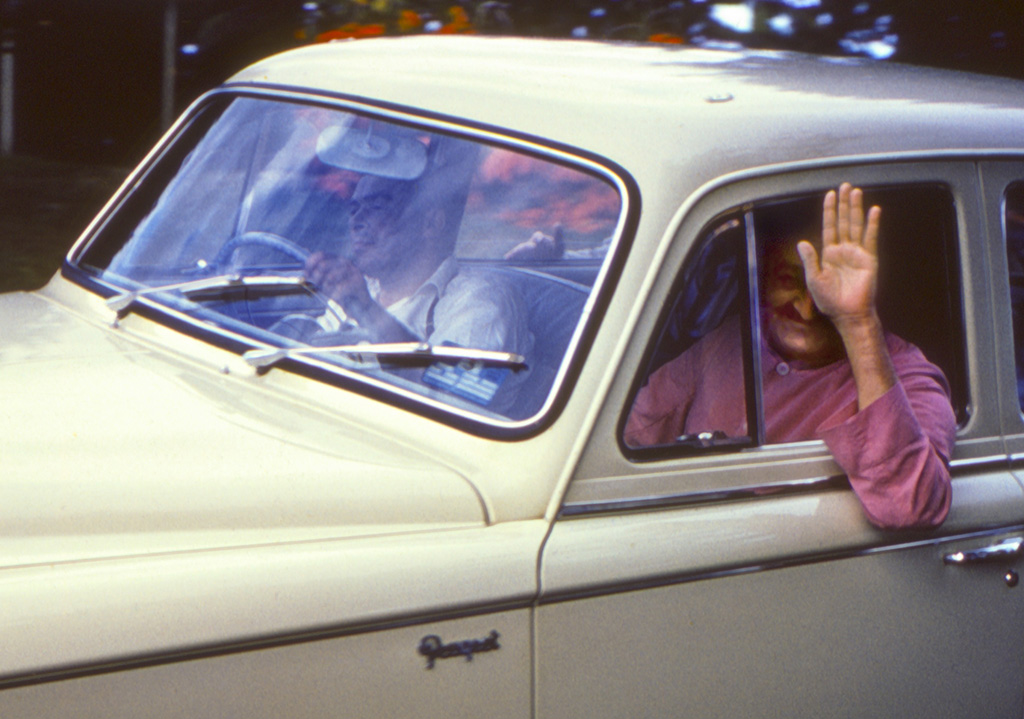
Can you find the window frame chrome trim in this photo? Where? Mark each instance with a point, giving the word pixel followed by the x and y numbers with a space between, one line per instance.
pixel 750 492
pixel 270 642
pixel 755 397
pixel 903 162
pixel 806 560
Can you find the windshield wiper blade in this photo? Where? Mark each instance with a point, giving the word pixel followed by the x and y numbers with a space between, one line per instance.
pixel 266 357
pixel 123 301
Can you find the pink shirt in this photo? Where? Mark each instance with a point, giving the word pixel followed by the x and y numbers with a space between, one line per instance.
pixel 895 452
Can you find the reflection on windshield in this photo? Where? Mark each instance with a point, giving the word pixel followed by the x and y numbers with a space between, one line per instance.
pixel 401 237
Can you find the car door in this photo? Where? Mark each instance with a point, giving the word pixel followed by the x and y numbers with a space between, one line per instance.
pixel 727 576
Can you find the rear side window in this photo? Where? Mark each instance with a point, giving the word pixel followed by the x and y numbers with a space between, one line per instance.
pixel 713 372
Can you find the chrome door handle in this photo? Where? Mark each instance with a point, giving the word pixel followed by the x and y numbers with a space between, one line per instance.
pixel 1004 551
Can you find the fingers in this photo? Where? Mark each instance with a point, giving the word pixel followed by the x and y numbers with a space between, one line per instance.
pixel 809 257
pixel 856 213
pixel 327 268
pixel 312 261
pixel 335 276
pixel 847 216
pixel 317 266
pixel 843 219
pixel 828 220
pixel 871 233
pixel 540 246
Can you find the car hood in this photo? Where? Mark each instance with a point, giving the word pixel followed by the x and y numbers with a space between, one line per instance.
pixel 109 447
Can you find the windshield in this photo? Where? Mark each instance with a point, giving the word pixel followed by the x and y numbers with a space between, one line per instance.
pixel 478 257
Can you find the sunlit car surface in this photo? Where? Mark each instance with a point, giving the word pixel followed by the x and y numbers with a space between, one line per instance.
pixel 225 493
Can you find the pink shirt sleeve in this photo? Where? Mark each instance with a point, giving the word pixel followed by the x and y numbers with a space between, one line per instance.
pixel 896 451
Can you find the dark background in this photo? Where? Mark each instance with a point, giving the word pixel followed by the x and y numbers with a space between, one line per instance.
pixel 88 83
pixel 90 74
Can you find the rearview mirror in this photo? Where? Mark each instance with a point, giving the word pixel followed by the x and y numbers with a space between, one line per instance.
pixel 375 149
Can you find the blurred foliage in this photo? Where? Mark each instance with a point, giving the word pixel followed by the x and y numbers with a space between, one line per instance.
pixel 979 35
pixel 44 206
pixel 68 51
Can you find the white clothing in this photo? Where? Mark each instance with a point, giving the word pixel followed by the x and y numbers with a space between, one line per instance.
pixel 463 307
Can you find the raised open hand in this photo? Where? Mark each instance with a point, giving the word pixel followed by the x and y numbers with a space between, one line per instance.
pixel 540 246
pixel 844 283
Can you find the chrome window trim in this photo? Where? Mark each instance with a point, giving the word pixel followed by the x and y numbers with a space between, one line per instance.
pixel 628 195
pixel 874 158
pixel 226 648
pixel 754 491
pixel 831 556
pixel 702 497
pixel 755 396
pixel 914 163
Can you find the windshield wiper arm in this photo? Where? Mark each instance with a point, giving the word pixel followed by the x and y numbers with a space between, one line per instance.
pixel 123 301
pixel 266 357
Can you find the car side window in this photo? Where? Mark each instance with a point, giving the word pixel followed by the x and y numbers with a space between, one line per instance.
pixel 744 357
pixel 1013 229
pixel 707 322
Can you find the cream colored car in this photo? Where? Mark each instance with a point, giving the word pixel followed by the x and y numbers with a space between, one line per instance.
pixel 225 494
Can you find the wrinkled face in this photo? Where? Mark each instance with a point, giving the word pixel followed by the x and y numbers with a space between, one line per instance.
pixel 383 231
pixel 794 326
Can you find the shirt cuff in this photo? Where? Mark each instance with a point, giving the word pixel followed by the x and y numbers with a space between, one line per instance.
pixel 874 435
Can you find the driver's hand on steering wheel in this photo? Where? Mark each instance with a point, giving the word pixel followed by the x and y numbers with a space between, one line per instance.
pixel 340 280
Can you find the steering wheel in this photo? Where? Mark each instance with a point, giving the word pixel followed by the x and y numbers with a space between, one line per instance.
pixel 222 260
pixel 269 240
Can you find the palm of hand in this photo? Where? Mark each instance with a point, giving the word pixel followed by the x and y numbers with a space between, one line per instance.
pixel 845 284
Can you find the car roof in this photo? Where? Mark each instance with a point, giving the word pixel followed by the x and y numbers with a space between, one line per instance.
pixel 667 108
